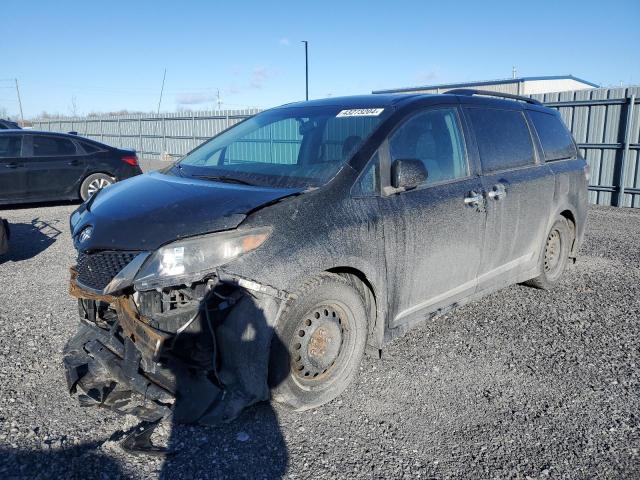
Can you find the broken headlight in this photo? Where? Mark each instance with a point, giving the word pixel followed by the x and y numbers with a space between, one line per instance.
pixel 189 260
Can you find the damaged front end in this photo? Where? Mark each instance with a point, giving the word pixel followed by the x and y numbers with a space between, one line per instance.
pixel 198 352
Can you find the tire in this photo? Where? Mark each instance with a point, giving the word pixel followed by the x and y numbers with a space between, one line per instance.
pixel 554 255
pixel 318 344
pixel 93 183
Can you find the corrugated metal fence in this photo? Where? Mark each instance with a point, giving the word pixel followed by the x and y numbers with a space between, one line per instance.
pixel 605 123
pixel 153 136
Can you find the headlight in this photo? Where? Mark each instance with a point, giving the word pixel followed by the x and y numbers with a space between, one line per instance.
pixel 189 260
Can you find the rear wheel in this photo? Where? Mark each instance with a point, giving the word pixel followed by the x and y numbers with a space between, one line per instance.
pixel 319 343
pixel 555 255
pixel 93 183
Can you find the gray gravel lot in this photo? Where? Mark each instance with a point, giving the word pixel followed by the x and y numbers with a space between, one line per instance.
pixel 521 384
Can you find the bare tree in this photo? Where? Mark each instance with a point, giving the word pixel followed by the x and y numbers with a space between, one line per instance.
pixel 73 106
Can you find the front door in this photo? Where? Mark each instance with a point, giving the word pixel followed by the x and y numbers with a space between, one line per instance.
pixel 12 170
pixel 433 233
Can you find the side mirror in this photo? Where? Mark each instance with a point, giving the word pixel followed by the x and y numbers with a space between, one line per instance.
pixel 408 173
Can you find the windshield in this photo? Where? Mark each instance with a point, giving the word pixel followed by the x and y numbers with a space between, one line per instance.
pixel 284 147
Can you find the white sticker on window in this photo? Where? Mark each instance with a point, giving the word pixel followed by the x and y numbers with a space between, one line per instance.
pixel 361 112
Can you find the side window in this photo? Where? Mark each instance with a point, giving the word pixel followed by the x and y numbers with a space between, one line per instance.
pixel 369 181
pixel 278 142
pixel 52 146
pixel 556 140
pixel 10 145
pixel 503 138
pixel 90 147
pixel 435 138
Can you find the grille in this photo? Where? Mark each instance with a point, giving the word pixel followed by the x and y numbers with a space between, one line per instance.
pixel 96 270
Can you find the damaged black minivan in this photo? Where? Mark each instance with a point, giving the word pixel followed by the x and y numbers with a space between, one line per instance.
pixel 266 261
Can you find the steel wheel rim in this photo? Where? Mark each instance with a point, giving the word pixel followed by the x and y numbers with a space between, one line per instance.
pixel 552 252
pixel 96 185
pixel 318 343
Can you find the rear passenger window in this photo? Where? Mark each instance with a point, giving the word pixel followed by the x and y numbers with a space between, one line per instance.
pixel 503 138
pixel 10 145
pixel 51 146
pixel 556 141
pixel 435 138
pixel 90 147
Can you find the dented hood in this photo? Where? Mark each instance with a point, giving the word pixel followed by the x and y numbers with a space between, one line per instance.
pixel 149 210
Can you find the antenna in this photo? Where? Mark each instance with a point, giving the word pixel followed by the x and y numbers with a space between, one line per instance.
pixel 162 90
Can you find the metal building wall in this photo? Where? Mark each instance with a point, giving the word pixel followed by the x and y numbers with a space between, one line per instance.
pixel 173 134
pixel 605 123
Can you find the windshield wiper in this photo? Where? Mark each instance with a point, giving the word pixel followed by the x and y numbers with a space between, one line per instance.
pixel 224 178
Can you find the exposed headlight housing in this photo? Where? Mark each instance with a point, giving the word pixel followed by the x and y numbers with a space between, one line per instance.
pixel 186 261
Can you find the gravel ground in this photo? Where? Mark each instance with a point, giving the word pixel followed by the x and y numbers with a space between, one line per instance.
pixel 522 384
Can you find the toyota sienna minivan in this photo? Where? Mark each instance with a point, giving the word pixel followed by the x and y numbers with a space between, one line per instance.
pixel 267 260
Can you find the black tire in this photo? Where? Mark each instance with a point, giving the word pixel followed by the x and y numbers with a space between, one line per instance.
pixel 318 344
pixel 554 255
pixel 93 183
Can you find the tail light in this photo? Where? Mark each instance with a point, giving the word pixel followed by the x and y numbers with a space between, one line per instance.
pixel 131 160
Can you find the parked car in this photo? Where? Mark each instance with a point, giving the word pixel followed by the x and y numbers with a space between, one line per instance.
pixel 43 166
pixel 322 229
pixel 9 124
pixel 4 236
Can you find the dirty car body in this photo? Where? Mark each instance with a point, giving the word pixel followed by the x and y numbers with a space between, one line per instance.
pixel 272 256
pixel 4 236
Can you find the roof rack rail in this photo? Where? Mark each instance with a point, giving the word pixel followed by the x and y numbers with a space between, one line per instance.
pixel 471 91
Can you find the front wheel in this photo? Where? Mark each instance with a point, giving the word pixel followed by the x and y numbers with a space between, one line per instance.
pixel 318 344
pixel 94 183
pixel 555 255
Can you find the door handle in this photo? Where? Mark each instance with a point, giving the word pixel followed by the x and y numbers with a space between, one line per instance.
pixel 11 165
pixel 498 192
pixel 73 162
pixel 473 199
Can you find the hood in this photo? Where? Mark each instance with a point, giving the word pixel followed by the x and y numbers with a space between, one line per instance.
pixel 147 211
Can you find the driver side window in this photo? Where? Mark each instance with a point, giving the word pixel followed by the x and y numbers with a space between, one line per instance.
pixel 435 138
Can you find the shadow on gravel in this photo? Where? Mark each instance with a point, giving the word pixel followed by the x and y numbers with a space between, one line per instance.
pixel 82 461
pixel 214 434
pixel 252 446
pixel 29 239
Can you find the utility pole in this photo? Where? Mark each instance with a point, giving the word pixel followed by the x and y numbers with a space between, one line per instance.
pixel 162 90
pixel 306 68
pixel 513 72
pixel 19 102
pixel 218 101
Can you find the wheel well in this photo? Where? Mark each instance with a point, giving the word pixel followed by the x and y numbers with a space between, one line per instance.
pixel 568 214
pixel 362 284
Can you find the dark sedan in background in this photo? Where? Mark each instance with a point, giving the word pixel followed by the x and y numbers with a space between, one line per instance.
pixel 44 166
pixel 8 124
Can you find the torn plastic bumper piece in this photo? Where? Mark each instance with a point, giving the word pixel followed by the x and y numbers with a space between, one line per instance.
pixel 107 369
pixel 109 381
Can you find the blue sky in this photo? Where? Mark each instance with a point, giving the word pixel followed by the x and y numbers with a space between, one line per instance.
pixel 111 55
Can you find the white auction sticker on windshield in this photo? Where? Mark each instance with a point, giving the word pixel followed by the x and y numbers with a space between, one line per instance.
pixel 361 112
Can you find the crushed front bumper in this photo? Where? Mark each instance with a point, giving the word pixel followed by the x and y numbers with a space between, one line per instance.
pixel 127 364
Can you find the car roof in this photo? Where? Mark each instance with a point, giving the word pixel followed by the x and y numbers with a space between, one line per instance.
pixel 359 101
pixel 404 99
pixel 25 131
